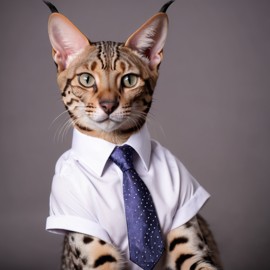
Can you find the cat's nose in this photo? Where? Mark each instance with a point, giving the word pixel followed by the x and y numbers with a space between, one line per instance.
pixel 108 106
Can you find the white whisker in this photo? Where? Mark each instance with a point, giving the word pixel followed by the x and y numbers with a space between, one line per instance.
pixel 66 128
pixel 57 118
pixel 61 131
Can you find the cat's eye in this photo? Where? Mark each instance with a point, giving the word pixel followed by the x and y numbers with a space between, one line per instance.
pixel 86 80
pixel 129 80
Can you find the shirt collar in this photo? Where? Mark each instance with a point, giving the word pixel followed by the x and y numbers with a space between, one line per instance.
pixel 95 152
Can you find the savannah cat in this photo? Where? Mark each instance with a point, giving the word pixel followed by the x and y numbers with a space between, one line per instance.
pixel 107 89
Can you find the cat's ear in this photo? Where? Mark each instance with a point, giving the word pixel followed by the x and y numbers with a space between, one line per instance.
pixel 150 38
pixel 66 39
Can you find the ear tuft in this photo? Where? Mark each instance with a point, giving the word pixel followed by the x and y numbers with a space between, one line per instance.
pixel 165 6
pixel 150 38
pixel 52 8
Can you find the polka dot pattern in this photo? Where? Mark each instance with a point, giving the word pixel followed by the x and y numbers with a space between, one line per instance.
pixel 144 234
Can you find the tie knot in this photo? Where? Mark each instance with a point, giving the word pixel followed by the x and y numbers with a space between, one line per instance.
pixel 122 156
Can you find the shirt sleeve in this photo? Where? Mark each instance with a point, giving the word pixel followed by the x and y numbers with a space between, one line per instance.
pixel 69 208
pixel 192 196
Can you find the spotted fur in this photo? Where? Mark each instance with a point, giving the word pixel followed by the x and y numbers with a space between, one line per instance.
pixel 77 250
pixel 192 246
pixel 107 88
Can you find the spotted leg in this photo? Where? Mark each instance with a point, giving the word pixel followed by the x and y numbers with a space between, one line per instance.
pixel 82 252
pixel 192 248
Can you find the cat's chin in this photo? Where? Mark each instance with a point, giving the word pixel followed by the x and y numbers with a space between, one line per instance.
pixel 114 131
pixel 108 130
pixel 107 126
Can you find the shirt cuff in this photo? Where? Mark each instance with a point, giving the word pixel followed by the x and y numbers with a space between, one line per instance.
pixel 63 224
pixel 191 208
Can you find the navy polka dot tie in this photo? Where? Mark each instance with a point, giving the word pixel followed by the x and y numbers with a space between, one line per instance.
pixel 144 234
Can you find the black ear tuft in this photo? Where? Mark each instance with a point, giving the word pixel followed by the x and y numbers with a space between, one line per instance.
pixel 51 7
pixel 165 6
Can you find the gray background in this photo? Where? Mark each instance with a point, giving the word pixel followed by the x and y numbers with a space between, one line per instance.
pixel 211 109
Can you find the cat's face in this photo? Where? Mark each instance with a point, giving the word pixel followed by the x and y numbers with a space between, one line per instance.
pixel 110 92
pixel 107 87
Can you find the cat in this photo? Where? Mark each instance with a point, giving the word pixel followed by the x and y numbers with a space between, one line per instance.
pixel 107 89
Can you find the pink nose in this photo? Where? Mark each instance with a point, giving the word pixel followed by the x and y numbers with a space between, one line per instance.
pixel 108 106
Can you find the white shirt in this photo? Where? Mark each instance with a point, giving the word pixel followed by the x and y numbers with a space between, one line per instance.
pixel 87 196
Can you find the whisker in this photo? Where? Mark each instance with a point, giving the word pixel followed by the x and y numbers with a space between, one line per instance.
pixel 156 126
pixel 135 122
pixel 61 130
pixel 56 118
pixel 66 128
pixel 151 120
pixel 58 130
pixel 66 124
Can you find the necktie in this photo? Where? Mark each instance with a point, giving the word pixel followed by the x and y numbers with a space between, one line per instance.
pixel 144 234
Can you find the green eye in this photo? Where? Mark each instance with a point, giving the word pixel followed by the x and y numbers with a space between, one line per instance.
pixel 86 80
pixel 129 80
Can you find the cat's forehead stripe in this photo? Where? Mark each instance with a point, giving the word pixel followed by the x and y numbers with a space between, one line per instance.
pixel 108 54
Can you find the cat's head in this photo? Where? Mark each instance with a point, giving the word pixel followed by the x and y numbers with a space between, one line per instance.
pixel 107 87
